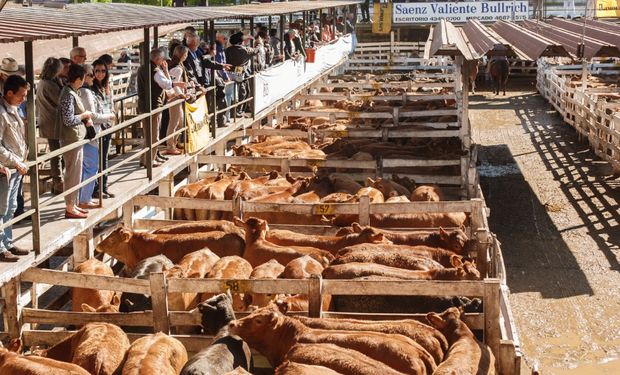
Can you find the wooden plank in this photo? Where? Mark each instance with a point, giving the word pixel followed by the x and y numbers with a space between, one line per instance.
pixel 315 296
pixel 473 320
pixel 492 315
pixel 238 286
pixel 12 307
pixel 396 163
pixel 79 280
pixel 65 318
pixel 159 299
pixel 177 202
pixel 405 288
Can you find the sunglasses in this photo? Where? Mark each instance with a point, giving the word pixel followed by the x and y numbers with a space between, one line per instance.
pixel 91 75
pixel 100 70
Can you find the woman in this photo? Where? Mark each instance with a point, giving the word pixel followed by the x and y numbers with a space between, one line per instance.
pixel 72 121
pixel 177 74
pixel 48 93
pixel 103 93
pixel 90 163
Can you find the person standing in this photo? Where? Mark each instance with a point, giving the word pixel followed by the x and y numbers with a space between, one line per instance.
pixel 103 93
pixel 239 57
pixel 177 74
pixel 13 153
pixel 72 121
pixel 48 94
pixel 366 11
pixel 9 66
pixel 78 55
pixel 275 44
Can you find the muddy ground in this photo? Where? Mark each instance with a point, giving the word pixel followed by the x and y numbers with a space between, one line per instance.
pixel 554 207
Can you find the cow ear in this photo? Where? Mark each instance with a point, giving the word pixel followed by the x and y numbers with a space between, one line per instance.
pixel 15 346
pixel 116 300
pixel 456 261
pixel 357 228
pixel 125 234
pixel 88 308
pixel 378 237
pixel 436 321
pixel 369 181
pixel 443 234
pixel 238 222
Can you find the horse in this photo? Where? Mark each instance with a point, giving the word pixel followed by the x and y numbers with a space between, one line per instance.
pixel 499 71
pixel 472 72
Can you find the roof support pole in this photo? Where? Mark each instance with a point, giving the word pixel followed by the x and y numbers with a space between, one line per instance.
pixel 32 149
pixel 334 23
pixel 75 41
pixel 270 23
pixel 213 123
pixel 253 61
pixel 148 122
pixel 156 38
pixel 282 22
pixel 321 23
pixel 304 29
pixel 205 30
pixel 243 24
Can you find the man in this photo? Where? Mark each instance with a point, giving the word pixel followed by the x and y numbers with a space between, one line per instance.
pixel 195 64
pixel 78 55
pixel 366 11
pixel 228 90
pixel 63 75
pixel 239 57
pixel 161 82
pixel 276 44
pixel 9 66
pixel 13 153
pixel 292 46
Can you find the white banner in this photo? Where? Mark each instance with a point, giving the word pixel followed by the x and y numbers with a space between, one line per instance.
pixel 460 11
pixel 275 83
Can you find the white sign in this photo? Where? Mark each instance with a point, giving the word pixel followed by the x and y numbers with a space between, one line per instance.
pixel 274 83
pixel 460 11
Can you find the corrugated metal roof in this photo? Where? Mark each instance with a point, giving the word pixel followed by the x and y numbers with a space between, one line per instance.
pixel 529 43
pixel 487 42
pixel 591 30
pixel 605 25
pixel 35 23
pixel 447 40
pixel 571 40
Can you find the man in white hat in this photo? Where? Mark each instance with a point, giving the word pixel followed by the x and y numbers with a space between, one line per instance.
pixel 9 66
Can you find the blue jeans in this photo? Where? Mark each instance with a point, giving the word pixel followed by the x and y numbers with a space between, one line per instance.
pixel 90 166
pixel 8 204
pixel 230 98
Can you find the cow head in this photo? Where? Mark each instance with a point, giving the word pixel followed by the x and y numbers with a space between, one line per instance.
pixel 372 235
pixel 255 228
pixel 446 322
pixel 116 244
pixel 216 312
pixel 455 240
pixel 258 328
pixel 131 302
pixel 466 270
pixel 112 307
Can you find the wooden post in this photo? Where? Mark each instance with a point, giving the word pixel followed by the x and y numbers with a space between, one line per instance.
pixel 315 296
pixel 193 170
pixel 492 335
pixel 285 166
pixel 128 214
pixel 12 308
pixel 364 210
pixel 75 41
pixel 166 186
pixel 159 300
pixel 236 207
pixel 83 247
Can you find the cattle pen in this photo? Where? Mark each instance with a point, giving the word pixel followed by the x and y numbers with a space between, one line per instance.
pixel 362 112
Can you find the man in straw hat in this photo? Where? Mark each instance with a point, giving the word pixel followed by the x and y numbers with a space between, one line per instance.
pixel 9 66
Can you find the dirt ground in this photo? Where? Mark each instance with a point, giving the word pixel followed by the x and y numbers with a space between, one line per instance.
pixel 554 207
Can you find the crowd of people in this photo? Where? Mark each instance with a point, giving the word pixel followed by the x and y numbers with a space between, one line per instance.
pixel 74 102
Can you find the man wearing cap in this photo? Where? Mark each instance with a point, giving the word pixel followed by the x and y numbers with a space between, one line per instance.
pixel 13 153
pixel 239 57
pixel 9 66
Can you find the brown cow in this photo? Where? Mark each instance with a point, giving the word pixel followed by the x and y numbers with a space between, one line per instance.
pixel 353 270
pixel 393 259
pixel 301 268
pixel 344 184
pixel 12 363
pixel 89 300
pixel 232 267
pixel 97 347
pixel 258 250
pixel 466 354
pixel 266 271
pixel 195 265
pixel 213 191
pixel 428 337
pixel 200 226
pixel 292 368
pixel 329 243
pixel 374 194
pixel 455 240
pixel 387 187
pixel 155 354
pixel 189 191
pixel 426 193
pixel 274 334
pixel 422 220
pixel 441 256
pixel 131 247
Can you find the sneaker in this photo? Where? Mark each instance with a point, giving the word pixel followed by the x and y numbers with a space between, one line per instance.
pixel 18 251
pixel 6 256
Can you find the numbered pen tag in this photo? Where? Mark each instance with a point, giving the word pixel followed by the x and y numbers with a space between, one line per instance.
pixel 233 285
pixel 315 163
pixel 340 133
pixel 323 209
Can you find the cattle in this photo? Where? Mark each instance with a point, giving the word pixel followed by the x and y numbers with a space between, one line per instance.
pixel 285 196
pixel 344 184
pixel 292 368
pixel 387 187
pixel 426 193
pixel 189 191
pixel 200 226
pixel 428 337
pixel 373 194
pixel 131 247
pixel 353 270
pixel 328 243
pixel 393 259
pixel 99 348
pixel 266 271
pixel 471 66
pixel 155 354
pixel 140 302
pixel 213 191
pixel 455 240
pixel 226 353
pixel 12 363
pixel 238 187
pixel 301 268
pixel 420 220
pixel 93 299
pixel 444 257
pixel 258 250
pixel 338 359
pixel 274 334
pixel 337 198
pixel 232 267
pixel 195 265
pixel 499 70
pixel 466 355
